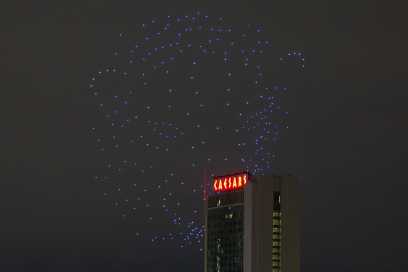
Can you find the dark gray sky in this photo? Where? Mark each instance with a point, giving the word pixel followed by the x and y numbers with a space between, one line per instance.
pixel 347 143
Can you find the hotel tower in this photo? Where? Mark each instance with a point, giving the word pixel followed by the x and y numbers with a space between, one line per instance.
pixel 252 224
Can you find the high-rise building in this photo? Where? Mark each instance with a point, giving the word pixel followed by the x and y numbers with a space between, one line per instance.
pixel 252 224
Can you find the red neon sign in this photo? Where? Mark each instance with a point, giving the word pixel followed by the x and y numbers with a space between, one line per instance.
pixel 230 183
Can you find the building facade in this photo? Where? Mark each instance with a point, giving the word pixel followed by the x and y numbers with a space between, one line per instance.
pixel 252 224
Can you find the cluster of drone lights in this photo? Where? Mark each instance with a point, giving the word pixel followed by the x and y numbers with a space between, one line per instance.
pixel 187 94
pixel 230 183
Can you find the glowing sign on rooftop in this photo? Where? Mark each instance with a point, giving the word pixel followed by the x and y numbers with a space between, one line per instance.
pixel 230 183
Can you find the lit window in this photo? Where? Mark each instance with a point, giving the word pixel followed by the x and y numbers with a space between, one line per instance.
pixel 276 237
pixel 276 221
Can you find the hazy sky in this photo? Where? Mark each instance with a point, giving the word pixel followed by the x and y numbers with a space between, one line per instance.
pixel 347 143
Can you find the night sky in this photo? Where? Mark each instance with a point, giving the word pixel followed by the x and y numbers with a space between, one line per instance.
pixel 345 141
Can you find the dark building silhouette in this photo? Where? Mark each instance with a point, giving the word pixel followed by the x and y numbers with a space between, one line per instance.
pixel 252 224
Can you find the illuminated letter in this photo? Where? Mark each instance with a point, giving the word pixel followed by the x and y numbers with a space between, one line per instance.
pixel 225 183
pixel 234 183
pixel 239 182
pixel 229 183
pixel 215 185
pixel 245 179
pixel 220 185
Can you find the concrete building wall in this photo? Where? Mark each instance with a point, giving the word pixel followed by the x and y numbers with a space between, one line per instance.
pixel 249 235
pixel 258 224
pixel 291 225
